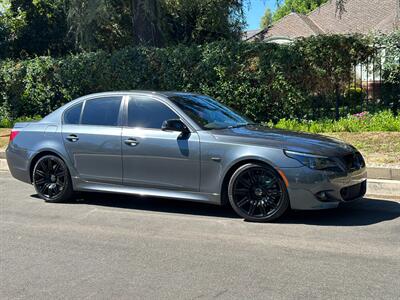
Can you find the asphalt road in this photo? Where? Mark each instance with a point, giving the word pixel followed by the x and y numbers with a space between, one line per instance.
pixel 118 247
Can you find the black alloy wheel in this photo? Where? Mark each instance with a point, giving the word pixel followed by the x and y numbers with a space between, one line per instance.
pixel 51 179
pixel 257 193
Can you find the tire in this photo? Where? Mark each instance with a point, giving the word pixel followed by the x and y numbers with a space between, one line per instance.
pixel 52 180
pixel 257 193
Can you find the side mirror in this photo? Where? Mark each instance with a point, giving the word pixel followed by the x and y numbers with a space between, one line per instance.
pixel 174 125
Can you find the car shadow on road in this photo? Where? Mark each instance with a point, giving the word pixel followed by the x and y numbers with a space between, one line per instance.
pixel 156 204
pixel 360 213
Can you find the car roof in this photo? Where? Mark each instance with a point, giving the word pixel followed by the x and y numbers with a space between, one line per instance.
pixel 56 115
pixel 142 92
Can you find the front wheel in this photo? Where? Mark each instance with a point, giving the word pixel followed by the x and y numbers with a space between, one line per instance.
pixel 51 179
pixel 257 193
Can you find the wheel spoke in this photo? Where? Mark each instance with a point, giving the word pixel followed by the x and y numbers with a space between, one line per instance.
pixel 272 204
pixel 44 167
pixel 56 190
pixel 243 202
pixel 40 181
pixel 275 195
pixel 56 167
pixel 252 208
pixel 244 182
pixel 241 191
pixel 52 191
pixel 43 188
pixel 40 173
pixel 60 186
pixel 61 173
pixel 262 208
pixel 253 178
pixel 49 165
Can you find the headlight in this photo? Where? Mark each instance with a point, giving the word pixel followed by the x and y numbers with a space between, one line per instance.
pixel 314 162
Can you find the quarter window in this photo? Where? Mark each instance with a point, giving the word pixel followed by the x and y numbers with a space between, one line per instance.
pixel 148 113
pixel 73 115
pixel 102 111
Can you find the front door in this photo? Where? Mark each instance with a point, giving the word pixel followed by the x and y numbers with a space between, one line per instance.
pixel 155 158
pixel 93 140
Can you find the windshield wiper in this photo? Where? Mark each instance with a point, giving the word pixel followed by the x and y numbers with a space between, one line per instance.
pixel 240 125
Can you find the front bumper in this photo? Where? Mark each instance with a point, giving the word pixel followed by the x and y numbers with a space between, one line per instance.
pixel 310 189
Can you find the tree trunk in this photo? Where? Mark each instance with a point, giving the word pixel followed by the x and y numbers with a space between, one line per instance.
pixel 144 15
pixel 337 91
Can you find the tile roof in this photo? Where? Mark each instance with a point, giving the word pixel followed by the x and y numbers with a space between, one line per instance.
pixel 250 33
pixel 360 16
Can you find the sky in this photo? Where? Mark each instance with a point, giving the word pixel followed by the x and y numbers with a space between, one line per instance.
pixel 255 12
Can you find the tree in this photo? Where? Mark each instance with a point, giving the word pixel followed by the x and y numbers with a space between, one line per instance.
pixel 4 35
pixel 96 24
pixel 34 27
pixel 299 6
pixel 266 20
pixel 153 22
pixel 203 21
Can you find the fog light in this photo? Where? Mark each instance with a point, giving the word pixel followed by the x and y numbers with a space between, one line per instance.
pixel 324 196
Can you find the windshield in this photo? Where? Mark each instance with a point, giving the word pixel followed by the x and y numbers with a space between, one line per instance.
pixel 209 113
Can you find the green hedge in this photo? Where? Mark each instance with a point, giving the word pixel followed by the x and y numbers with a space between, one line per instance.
pixel 264 81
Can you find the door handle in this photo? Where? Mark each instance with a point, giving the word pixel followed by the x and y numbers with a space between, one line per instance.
pixel 131 142
pixel 72 138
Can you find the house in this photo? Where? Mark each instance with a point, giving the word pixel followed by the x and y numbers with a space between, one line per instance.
pixel 360 16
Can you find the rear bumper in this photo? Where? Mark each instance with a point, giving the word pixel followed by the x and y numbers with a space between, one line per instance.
pixel 18 162
pixel 311 190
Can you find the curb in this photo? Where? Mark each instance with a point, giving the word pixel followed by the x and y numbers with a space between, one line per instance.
pixel 3 165
pixel 382 187
pixel 383 173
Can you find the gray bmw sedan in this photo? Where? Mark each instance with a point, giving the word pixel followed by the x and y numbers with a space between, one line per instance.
pixel 182 146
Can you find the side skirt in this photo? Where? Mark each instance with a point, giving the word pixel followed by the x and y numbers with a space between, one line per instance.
pixel 86 186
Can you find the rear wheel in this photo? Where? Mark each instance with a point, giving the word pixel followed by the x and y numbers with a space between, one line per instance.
pixel 257 193
pixel 51 179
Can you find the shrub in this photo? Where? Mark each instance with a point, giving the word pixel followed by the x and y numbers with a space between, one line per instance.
pixel 382 121
pixel 353 96
pixel 7 123
pixel 264 81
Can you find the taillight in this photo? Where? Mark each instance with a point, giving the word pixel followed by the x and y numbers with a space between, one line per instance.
pixel 13 134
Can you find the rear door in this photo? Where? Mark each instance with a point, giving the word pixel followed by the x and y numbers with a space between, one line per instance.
pixel 153 157
pixel 92 137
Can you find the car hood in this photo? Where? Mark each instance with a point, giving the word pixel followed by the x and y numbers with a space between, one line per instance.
pixel 285 139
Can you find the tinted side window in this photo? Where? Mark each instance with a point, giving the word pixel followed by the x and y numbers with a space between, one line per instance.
pixel 73 114
pixel 102 111
pixel 148 113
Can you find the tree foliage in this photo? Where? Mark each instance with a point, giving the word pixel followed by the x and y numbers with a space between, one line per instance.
pixel 299 6
pixel 33 27
pixel 56 27
pixel 266 19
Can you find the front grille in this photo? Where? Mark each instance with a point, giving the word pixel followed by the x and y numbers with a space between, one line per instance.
pixel 353 192
pixel 353 161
